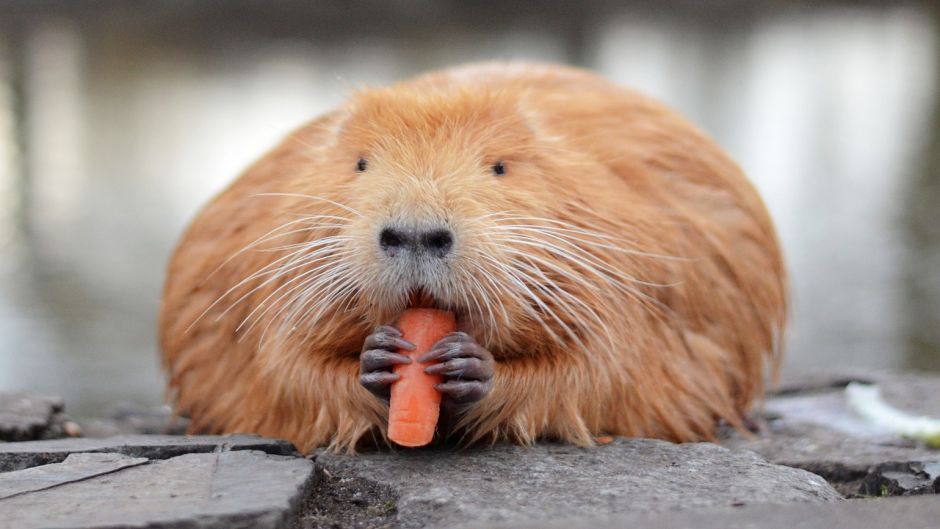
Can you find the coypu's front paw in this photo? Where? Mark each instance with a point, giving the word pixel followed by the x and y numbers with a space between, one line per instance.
pixel 378 357
pixel 467 369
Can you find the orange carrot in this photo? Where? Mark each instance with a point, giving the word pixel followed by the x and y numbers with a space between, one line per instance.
pixel 415 405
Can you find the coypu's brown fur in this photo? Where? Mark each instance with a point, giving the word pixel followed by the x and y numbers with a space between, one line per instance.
pixel 623 272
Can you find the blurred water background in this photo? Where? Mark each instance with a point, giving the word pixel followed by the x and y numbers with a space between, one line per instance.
pixel 119 119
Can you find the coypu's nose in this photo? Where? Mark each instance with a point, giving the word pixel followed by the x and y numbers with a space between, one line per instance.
pixel 436 242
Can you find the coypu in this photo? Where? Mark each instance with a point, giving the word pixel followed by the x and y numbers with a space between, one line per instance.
pixel 611 269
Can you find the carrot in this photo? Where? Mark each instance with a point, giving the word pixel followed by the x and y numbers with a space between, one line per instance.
pixel 415 405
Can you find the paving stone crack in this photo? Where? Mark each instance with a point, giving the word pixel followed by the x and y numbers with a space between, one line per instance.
pixel 76 468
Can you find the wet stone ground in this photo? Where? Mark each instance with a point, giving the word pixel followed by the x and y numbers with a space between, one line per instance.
pixel 811 427
pixel 817 465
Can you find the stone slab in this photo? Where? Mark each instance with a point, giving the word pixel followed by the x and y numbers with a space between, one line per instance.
pixel 907 513
pixel 17 456
pixel 232 489
pixel 810 426
pixel 76 467
pixel 428 488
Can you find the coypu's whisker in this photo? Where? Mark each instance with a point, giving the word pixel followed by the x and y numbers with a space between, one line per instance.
pixel 567 227
pixel 268 236
pixel 272 234
pixel 480 290
pixel 558 222
pixel 523 279
pixel 313 284
pixel 299 258
pixel 578 316
pixel 583 259
pixel 553 222
pixel 531 266
pixel 514 277
pixel 646 300
pixel 296 305
pixel 304 277
pixel 343 287
pixel 494 214
pixel 312 197
pixel 352 288
pixel 339 283
pixel 485 294
pixel 267 269
pixel 299 279
pixel 494 291
pixel 634 293
pixel 564 233
pixel 342 270
pixel 462 293
pixel 585 254
pixel 315 259
pixel 301 244
pixel 347 291
pixel 338 218
pixel 483 307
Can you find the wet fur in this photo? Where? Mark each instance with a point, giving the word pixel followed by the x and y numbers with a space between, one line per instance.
pixel 669 297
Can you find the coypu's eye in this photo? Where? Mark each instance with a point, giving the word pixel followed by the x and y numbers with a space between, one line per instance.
pixel 361 165
pixel 499 168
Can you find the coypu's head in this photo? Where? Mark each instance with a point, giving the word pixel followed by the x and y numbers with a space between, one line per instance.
pixel 456 198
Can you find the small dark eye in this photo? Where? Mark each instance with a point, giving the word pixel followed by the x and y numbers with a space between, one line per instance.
pixel 361 165
pixel 499 169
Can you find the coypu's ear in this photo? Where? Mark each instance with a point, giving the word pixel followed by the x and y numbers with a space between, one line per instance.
pixel 340 125
pixel 529 115
pixel 365 106
pixel 337 124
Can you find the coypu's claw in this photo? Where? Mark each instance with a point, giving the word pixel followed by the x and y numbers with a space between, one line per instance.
pixel 466 366
pixel 378 357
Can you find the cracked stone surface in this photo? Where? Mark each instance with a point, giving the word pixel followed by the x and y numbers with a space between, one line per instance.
pixel 217 488
pixel 812 427
pixel 901 479
pixel 447 489
pixel 76 467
